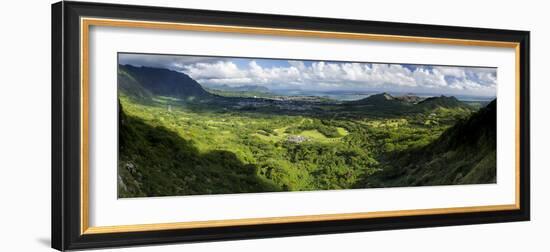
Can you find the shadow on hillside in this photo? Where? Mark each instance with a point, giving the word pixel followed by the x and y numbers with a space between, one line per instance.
pixel 464 154
pixel 154 161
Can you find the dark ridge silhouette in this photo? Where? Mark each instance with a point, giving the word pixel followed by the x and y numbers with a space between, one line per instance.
pixel 159 81
pixel 463 154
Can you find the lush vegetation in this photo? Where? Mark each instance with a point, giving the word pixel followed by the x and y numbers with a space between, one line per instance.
pixel 180 139
pixel 464 154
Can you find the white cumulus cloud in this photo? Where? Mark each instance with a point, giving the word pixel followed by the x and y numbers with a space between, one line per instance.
pixel 281 74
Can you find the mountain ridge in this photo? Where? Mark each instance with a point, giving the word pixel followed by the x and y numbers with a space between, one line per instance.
pixel 441 101
pixel 410 103
pixel 463 154
pixel 163 82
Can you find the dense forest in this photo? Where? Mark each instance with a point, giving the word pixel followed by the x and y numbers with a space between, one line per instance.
pixel 177 137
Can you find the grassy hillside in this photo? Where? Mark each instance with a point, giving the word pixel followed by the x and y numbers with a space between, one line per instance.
pixel 463 154
pixel 239 149
pixel 155 161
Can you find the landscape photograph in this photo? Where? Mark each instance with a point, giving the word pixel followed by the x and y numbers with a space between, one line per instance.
pixel 200 125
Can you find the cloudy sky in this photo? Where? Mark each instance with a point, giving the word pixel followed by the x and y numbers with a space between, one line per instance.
pixel 325 75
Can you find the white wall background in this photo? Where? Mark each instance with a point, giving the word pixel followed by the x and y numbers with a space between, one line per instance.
pixel 25 125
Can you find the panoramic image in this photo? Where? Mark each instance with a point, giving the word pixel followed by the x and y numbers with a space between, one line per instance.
pixel 198 125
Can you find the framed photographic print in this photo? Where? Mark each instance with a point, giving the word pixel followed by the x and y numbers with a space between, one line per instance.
pixel 180 125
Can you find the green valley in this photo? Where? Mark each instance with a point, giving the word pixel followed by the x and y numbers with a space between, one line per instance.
pixel 178 138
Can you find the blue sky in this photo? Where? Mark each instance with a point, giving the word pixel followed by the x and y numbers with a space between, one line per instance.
pixel 317 75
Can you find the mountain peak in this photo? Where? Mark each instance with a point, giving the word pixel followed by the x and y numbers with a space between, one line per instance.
pixel 387 100
pixel 380 96
pixel 441 101
pixel 409 98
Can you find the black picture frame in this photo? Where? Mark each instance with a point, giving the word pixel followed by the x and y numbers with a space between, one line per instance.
pixel 66 114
